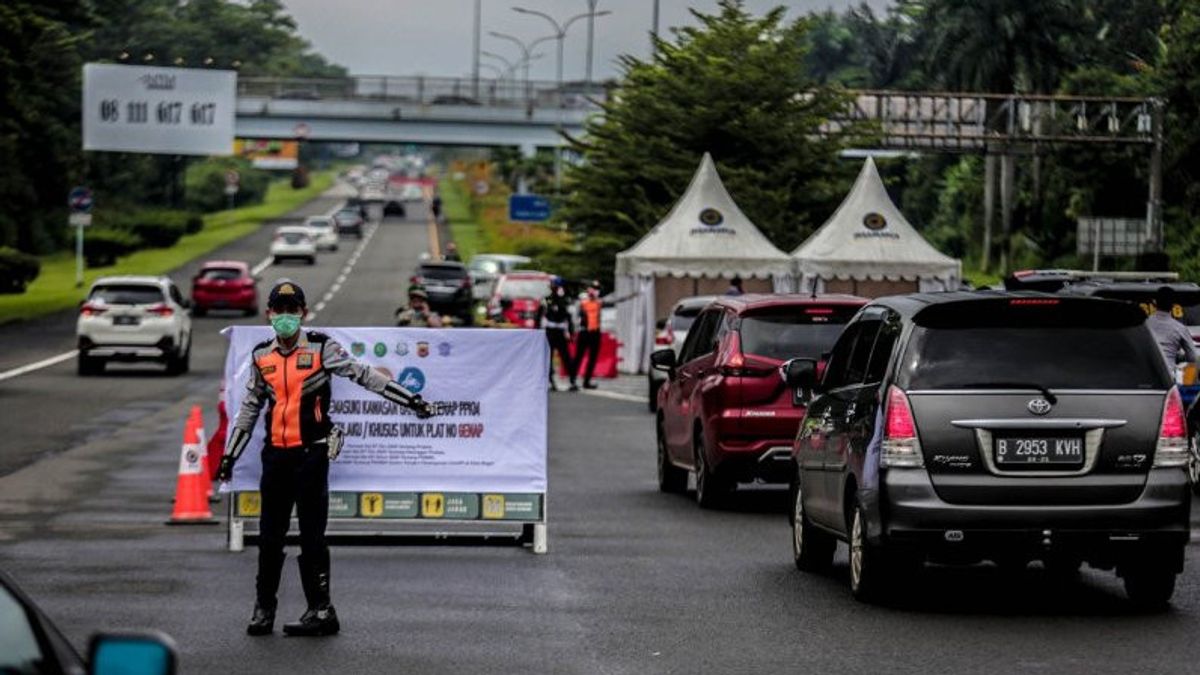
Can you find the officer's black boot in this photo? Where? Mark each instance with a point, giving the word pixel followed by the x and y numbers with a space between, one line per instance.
pixel 270 569
pixel 320 618
pixel 262 622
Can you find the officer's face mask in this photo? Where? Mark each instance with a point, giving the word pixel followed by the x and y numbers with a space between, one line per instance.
pixel 285 325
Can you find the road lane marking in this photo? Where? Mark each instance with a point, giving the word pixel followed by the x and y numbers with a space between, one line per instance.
pixel 613 395
pixel 44 363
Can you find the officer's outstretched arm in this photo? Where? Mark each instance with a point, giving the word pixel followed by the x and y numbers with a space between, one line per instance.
pixel 338 361
pixel 243 425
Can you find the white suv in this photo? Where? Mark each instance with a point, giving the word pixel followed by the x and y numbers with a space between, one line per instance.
pixel 134 318
pixel 324 232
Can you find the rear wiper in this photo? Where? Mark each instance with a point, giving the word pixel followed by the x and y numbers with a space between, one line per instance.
pixel 1046 393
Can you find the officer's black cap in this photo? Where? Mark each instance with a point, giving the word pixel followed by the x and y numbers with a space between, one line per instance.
pixel 286 294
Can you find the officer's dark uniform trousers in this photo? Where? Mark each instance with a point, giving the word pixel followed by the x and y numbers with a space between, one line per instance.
pixel 294 477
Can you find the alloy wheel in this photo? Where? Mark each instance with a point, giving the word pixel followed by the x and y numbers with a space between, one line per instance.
pixel 856 550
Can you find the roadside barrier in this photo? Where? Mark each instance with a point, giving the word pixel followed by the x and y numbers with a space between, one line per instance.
pixel 191 501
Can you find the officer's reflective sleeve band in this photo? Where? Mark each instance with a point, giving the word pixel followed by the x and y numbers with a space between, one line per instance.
pixel 393 392
pixel 252 402
pixel 238 440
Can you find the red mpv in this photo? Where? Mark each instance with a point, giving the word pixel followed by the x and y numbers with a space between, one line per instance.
pixel 725 413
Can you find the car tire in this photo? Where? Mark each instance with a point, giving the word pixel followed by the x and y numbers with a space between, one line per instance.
pixel 252 311
pixel 711 489
pixel 180 364
pixel 312 260
pixel 1149 584
pixel 652 394
pixel 1193 467
pixel 334 248
pixel 276 260
pixel 87 366
pixel 869 569
pixel 812 548
pixel 198 311
pixel 671 479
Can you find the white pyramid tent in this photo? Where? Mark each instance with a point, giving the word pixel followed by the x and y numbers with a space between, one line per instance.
pixel 696 249
pixel 868 248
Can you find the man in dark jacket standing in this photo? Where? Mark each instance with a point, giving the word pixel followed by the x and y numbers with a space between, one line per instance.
pixel 556 320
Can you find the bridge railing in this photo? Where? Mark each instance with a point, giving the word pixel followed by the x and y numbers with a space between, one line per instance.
pixel 428 91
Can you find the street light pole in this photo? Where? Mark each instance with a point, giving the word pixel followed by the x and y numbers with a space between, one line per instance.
pixel 475 55
pixel 560 32
pixel 526 53
pixel 590 37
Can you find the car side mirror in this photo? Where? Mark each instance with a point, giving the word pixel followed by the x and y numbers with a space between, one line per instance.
pixel 149 653
pixel 663 360
pixel 800 375
pixel 187 304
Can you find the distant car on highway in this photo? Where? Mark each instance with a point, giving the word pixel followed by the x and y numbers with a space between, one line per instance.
pixel 349 222
pixel 412 192
pixel 671 335
pixel 294 242
pixel 394 207
pixel 134 318
pixel 224 284
pixel 324 232
pixel 449 287
pixel 486 268
pixel 960 427
pixel 724 413
pixel 518 298
pixel 33 644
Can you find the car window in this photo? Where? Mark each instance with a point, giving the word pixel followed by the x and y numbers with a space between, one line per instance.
pixel 320 223
pixel 442 272
pixel 486 266
pixel 839 358
pixel 20 651
pixel 789 332
pixel 525 288
pixel 220 274
pixel 293 237
pixel 176 296
pixel 881 353
pixel 856 368
pixel 127 294
pixel 701 333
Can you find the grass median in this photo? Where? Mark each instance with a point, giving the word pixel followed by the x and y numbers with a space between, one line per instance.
pixel 464 229
pixel 54 289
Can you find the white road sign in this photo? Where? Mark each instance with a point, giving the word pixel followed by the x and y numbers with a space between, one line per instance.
pixel 175 111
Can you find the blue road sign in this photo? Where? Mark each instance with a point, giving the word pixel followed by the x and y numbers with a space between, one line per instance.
pixel 80 200
pixel 528 208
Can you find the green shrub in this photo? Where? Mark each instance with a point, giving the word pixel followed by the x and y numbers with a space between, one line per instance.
pixel 156 229
pixel 102 246
pixel 204 184
pixel 17 269
pixel 194 224
pixel 299 178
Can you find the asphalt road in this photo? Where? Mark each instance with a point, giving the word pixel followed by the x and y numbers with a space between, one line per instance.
pixel 635 581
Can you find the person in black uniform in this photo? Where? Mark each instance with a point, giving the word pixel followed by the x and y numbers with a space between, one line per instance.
pixel 556 320
pixel 290 377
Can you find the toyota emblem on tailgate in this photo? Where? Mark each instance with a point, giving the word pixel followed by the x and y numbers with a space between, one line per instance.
pixel 1039 406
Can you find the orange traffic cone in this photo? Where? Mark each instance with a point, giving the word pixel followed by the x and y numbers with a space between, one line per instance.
pixel 191 502
pixel 198 420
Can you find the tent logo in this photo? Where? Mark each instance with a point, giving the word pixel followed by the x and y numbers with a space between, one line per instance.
pixel 711 217
pixel 874 221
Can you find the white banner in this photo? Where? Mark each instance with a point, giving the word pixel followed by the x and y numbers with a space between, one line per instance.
pixel 490 431
pixel 176 111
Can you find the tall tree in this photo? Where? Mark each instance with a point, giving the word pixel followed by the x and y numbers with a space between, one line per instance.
pixel 734 86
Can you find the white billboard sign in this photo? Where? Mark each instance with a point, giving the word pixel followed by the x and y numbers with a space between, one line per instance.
pixel 174 111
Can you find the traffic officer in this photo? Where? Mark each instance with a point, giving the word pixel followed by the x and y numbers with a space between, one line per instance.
pixel 556 320
pixel 418 314
pixel 588 342
pixel 290 377
pixel 1173 338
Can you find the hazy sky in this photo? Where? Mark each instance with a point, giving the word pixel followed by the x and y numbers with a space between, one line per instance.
pixel 433 37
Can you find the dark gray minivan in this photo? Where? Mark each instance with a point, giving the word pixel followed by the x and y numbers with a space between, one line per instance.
pixel 960 427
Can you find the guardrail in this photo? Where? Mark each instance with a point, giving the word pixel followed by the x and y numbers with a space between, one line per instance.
pixel 429 91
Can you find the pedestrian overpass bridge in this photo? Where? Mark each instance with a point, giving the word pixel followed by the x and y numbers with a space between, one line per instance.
pixel 422 110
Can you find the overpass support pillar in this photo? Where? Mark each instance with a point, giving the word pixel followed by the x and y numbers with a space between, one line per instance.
pixel 528 151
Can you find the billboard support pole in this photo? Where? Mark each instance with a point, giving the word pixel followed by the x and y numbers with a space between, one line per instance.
pixel 79 256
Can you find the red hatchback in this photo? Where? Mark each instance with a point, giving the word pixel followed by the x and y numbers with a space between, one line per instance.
pixel 725 413
pixel 224 284
pixel 518 298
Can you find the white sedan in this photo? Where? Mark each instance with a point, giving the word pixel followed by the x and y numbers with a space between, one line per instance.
pixel 134 318
pixel 294 242
pixel 324 232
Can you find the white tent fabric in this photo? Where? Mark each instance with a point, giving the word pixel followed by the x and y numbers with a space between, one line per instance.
pixel 705 235
pixel 867 238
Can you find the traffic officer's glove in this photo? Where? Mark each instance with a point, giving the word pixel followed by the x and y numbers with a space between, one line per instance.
pixel 335 440
pixel 423 408
pixel 225 469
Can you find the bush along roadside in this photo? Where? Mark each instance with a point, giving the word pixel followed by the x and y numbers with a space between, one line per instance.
pixel 106 244
pixel 17 269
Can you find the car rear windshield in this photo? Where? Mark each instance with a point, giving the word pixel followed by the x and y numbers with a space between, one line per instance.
pixel 684 317
pixel 294 237
pixel 220 274
pixel 442 272
pixel 796 331
pixel 320 223
pixel 127 294
pixel 1085 346
pixel 525 288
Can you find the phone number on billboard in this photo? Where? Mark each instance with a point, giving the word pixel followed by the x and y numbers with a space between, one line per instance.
pixel 167 112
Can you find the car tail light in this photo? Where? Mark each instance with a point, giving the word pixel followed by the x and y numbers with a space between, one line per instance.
pixel 1172 447
pixel 663 339
pixel 737 364
pixel 1033 302
pixel 900 448
pixel 160 310
pixel 89 309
